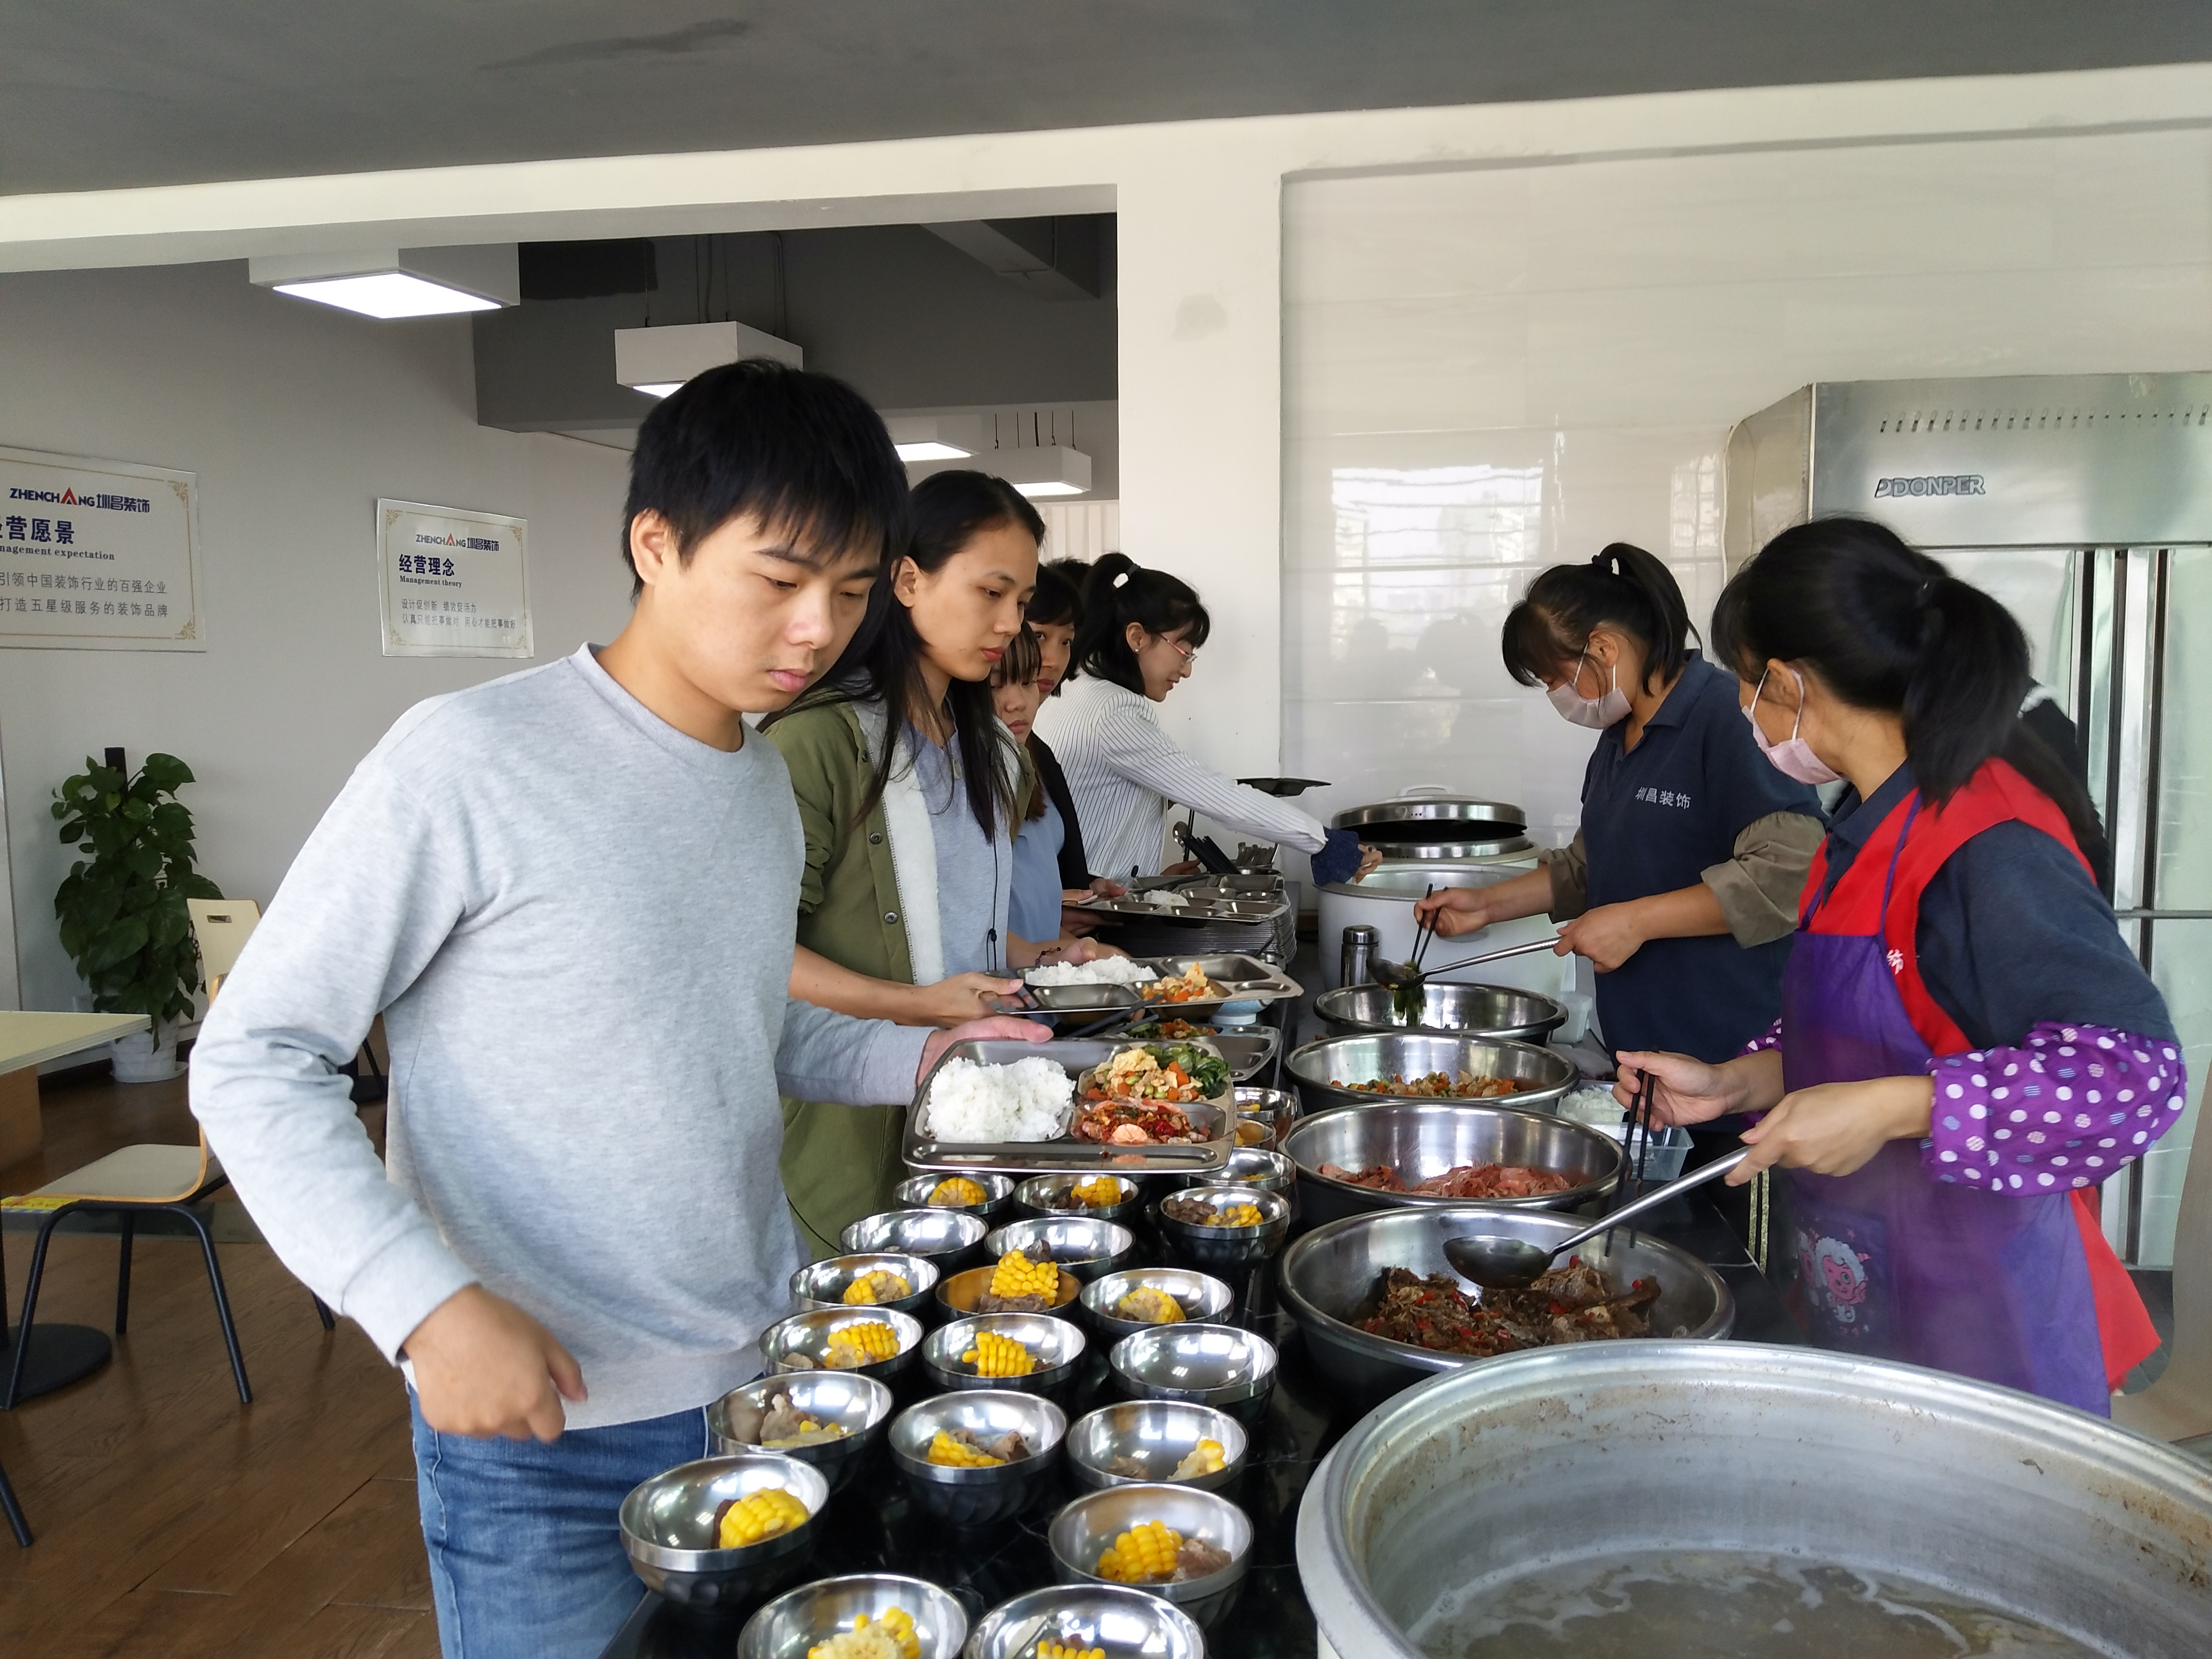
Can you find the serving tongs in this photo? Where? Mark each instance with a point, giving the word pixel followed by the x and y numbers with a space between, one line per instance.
pixel 1397 974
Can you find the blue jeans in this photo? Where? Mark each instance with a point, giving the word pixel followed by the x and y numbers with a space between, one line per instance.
pixel 526 1559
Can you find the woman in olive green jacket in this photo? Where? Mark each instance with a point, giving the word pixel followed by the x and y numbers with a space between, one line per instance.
pixel 906 783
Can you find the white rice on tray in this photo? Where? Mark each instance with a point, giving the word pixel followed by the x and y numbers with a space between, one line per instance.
pixel 1107 970
pixel 1028 1100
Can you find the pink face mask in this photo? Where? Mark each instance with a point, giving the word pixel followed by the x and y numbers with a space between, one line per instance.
pixel 1597 713
pixel 1793 756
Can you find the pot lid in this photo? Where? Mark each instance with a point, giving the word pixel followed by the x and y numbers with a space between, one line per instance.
pixel 1427 813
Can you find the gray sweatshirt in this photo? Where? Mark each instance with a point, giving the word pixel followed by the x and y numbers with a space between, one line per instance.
pixel 578 923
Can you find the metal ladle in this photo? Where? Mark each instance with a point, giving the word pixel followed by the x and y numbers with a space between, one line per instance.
pixel 1513 1264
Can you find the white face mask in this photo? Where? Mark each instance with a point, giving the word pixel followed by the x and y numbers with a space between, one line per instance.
pixel 1597 713
pixel 1792 757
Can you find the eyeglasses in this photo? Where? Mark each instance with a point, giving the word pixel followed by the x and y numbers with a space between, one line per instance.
pixel 1187 652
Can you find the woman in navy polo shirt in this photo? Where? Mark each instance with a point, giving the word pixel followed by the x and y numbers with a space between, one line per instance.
pixel 1681 885
pixel 1968 1047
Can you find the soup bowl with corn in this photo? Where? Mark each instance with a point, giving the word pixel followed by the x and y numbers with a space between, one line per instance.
pixel 713 1533
pixel 1035 1353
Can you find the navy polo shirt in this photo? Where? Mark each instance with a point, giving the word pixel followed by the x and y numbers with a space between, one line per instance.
pixel 2012 932
pixel 1655 818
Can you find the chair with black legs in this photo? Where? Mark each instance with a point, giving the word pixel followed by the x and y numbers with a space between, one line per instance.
pixel 135 1181
pixel 14 1511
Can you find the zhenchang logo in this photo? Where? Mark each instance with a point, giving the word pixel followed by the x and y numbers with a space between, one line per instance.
pixel 481 544
pixel 1951 484
pixel 97 500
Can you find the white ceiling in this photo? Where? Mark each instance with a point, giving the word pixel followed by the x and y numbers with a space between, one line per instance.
pixel 105 93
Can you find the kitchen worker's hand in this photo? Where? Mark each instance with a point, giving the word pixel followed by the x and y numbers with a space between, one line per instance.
pixel 1686 1091
pixel 1832 1128
pixel 962 996
pixel 1092 950
pixel 999 1028
pixel 483 1367
pixel 1608 936
pixel 1454 911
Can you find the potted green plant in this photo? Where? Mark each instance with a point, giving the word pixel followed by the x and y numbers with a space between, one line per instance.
pixel 122 910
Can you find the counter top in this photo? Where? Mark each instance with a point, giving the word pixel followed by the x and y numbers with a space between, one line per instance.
pixel 872 1526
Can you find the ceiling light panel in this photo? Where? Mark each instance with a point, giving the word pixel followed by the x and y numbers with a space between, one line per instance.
pixel 387 294
pixel 395 282
pixel 656 360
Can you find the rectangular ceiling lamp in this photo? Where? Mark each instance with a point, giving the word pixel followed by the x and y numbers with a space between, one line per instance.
pixel 1052 470
pixel 936 437
pixel 391 282
pixel 656 360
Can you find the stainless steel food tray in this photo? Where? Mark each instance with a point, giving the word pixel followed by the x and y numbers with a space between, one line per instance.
pixel 1242 978
pixel 1216 1115
pixel 1248 1049
pixel 1195 912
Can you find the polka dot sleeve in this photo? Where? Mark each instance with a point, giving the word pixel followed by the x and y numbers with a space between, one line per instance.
pixel 1772 1039
pixel 2067 1108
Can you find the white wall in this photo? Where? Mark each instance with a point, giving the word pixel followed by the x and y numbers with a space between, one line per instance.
pixel 1491 370
pixel 296 417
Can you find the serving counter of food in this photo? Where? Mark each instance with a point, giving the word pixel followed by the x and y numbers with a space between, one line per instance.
pixel 876 1522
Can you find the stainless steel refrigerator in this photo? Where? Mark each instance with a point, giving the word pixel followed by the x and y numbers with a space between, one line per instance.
pixel 2085 503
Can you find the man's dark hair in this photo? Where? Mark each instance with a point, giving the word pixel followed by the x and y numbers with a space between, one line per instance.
pixel 802 454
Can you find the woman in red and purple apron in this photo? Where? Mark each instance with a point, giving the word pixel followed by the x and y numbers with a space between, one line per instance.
pixel 1967 1048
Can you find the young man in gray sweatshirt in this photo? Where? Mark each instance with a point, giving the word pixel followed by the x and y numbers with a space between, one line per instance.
pixel 572 893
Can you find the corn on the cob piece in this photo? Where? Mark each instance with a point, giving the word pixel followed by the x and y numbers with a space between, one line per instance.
pixel 1017 1275
pixel 880 1285
pixel 994 1355
pixel 1098 1192
pixel 1155 1307
pixel 1237 1215
pixel 959 1454
pixel 956 1192
pixel 1145 1555
pixel 1207 1457
pixel 1050 1649
pixel 763 1514
pixel 864 1342
pixel 891 1637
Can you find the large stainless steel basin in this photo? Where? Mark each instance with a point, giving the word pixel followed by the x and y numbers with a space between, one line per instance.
pixel 1479 1477
pixel 1446 1009
pixel 1325 1068
pixel 1327 1281
pixel 1421 1139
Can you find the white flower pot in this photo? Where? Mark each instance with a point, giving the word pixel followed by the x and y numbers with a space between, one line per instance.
pixel 145 1056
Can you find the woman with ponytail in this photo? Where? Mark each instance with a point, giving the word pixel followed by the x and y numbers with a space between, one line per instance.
pixel 1681 886
pixel 1137 640
pixel 1967 1048
pixel 911 793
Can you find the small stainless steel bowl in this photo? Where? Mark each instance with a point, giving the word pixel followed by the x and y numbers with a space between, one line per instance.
pixel 1225 1248
pixel 1056 1344
pixel 976 1497
pixel 668 1527
pixel 948 1237
pixel 1086 1527
pixel 801 1619
pixel 956 1297
pixel 913 1194
pixel 1423 1138
pixel 1157 1434
pixel 1051 1196
pixel 1326 1070
pixel 1275 1109
pixel 1087 1615
pixel 1089 1249
pixel 1203 1298
pixel 801 1342
pixel 1217 1365
pixel 859 1405
pixel 823 1284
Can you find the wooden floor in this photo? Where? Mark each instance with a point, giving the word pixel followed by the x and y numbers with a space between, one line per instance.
pixel 169 1519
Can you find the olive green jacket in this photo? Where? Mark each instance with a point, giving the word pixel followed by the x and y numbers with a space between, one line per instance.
pixel 868 901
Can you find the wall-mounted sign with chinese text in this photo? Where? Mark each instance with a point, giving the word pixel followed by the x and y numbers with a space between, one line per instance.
pixel 453 583
pixel 97 554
